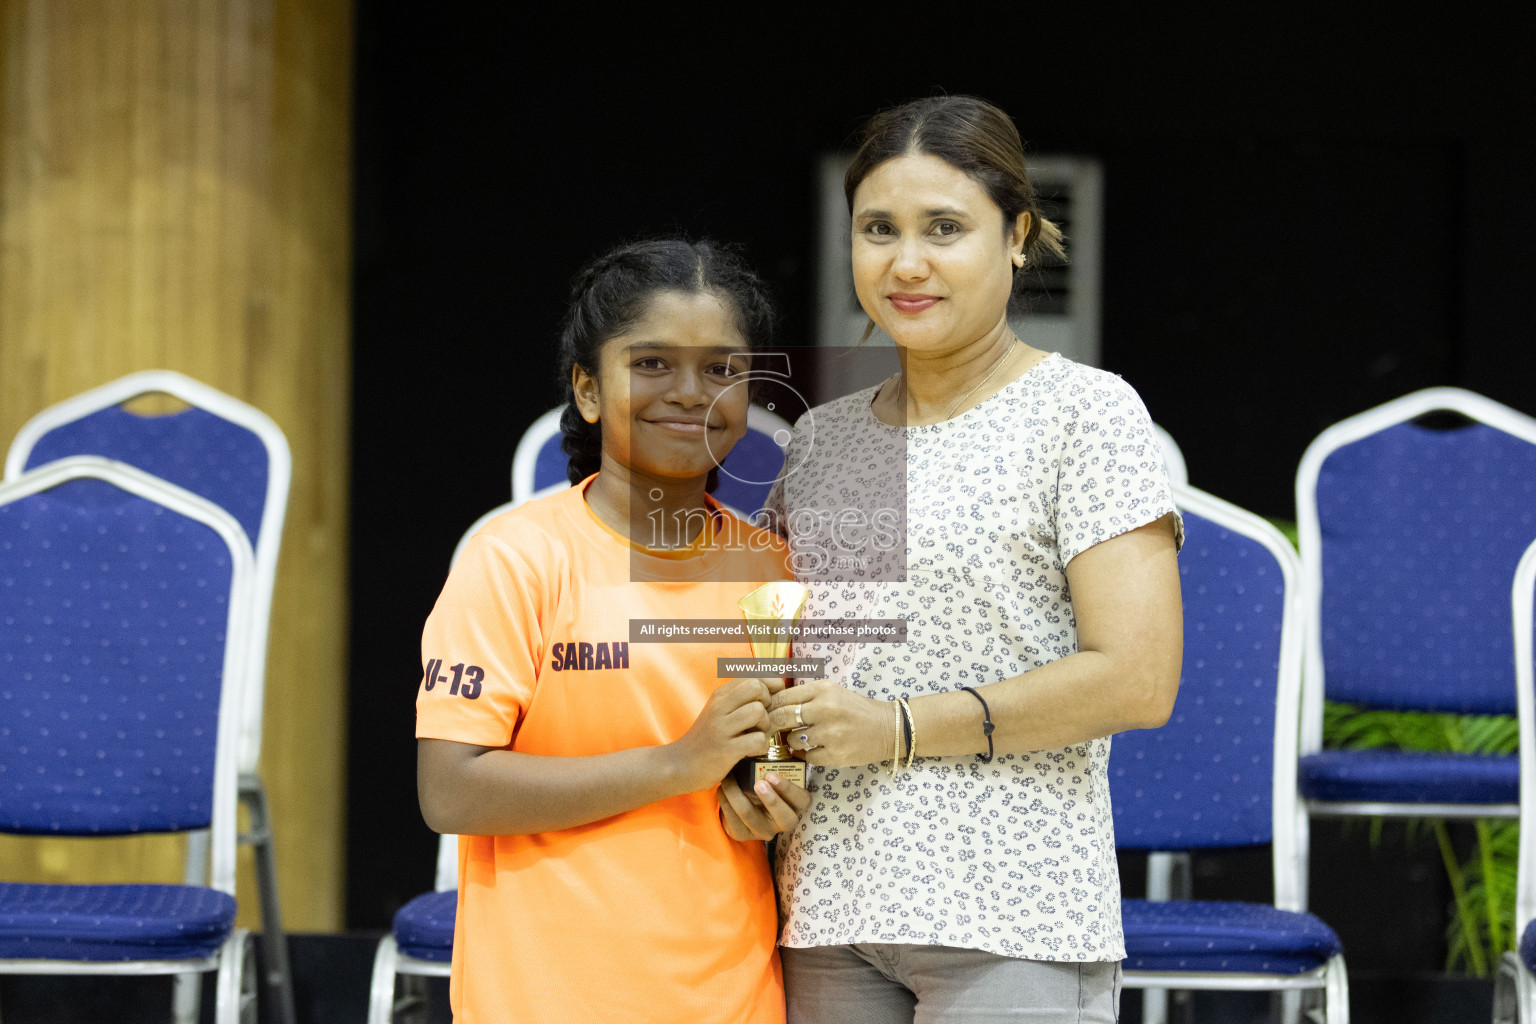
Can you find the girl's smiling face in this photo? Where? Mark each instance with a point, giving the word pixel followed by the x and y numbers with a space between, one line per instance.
pixel 932 259
pixel 663 393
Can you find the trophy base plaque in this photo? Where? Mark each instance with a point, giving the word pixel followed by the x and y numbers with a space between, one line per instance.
pixel 778 760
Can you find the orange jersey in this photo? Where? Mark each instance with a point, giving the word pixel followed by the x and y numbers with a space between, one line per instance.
pixel 650 915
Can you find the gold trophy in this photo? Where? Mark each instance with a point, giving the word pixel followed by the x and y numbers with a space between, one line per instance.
pixel 777 605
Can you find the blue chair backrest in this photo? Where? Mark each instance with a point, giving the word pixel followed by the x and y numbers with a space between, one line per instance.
pixel 193 449
pixel 1206 778
pixel 113 611
pixel 1421 530
pixel 549 465
pixel 746 474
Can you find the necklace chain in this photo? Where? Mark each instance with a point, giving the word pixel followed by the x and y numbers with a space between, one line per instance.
pixel 901 381
pixel 978 386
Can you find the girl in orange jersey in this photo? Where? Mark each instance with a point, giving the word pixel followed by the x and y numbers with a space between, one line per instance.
pixel 605 873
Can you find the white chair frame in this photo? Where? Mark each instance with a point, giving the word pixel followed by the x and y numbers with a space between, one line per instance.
pixel 474 528
pixel 1514 995
pixel 1289 835
pixel 235 960
pixel 1173 457
pixel 1474 407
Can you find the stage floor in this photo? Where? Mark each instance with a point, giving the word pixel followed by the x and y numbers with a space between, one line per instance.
pixel 332 972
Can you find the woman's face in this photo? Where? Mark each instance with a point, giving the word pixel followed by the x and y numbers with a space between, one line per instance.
pixel 932 264
pixel 662 393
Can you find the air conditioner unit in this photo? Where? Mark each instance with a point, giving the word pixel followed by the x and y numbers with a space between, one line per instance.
pixel 1061 311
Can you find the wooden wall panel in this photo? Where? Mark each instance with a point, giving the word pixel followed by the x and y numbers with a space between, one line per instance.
pixel 174 193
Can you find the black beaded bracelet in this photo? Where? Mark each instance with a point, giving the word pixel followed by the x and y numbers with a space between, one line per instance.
pixel 986 720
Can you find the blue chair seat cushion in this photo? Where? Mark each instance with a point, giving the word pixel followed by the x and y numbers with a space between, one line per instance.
pixel 1410 777
pixel 424 926
pixel 112 922
pixel 1528 947
pixel 1200 935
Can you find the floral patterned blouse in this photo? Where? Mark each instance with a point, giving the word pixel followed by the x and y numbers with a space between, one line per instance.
pixel 964 529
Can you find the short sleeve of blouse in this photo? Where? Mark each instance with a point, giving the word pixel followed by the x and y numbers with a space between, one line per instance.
pixel 1112 477
pixel 480 648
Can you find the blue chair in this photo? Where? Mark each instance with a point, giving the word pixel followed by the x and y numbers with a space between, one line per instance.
pixel 1221 773
pixel 235 456
pixel 1514 994
pixel 746 474
pixel 420 942
pixel 1409 536
pixel 126 606
pixel 419 946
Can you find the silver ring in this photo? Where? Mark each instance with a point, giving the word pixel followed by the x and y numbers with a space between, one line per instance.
pixel 799 718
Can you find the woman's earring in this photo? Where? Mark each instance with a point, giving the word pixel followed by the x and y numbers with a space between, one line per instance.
pixel 1019 259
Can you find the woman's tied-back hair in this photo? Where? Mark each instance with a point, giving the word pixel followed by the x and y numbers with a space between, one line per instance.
pixel 972 136
pixel 613 292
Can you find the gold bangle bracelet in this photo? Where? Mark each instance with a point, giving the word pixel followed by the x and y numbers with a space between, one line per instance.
pixel 896 752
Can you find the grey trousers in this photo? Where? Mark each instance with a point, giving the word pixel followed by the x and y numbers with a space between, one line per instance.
pixel 881 983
